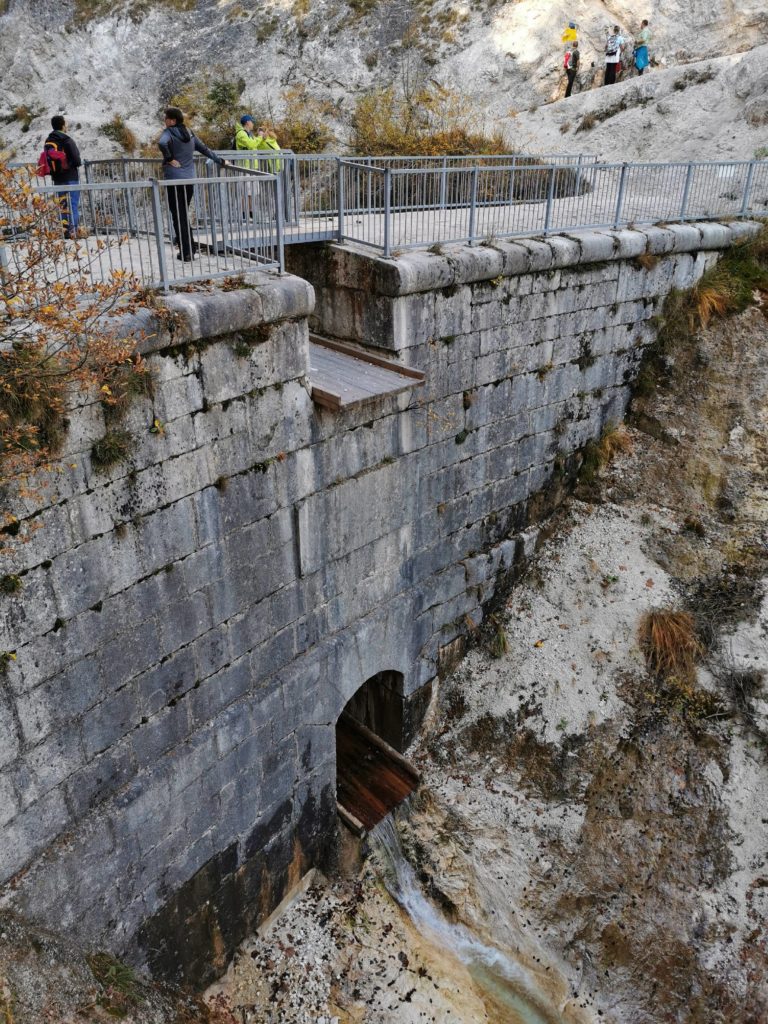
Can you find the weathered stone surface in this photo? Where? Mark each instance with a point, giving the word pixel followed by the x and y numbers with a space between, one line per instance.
pixel 192 622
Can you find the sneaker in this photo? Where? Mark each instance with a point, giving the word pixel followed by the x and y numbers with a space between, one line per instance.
pixel 185 259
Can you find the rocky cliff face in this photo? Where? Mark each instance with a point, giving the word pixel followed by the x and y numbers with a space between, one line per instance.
pixel 129 58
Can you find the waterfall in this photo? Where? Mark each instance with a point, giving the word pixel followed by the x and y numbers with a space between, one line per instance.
pixel 500 981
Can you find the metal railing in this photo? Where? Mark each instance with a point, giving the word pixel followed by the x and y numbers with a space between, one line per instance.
pixel 243 215
pixel 391 207
pixel 234 223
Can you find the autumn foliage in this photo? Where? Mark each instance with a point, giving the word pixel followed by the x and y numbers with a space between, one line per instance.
pixel 59 338
pixel 421 119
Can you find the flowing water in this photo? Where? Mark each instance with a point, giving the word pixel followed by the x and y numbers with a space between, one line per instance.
pixel 504 985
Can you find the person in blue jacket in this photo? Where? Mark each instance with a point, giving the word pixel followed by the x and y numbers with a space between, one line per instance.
pixel 178 145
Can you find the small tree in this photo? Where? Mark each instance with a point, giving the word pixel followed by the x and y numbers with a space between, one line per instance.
pixel 59 336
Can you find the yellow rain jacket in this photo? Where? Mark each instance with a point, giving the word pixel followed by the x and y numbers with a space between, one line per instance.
pixel 245 141
pixel 266 142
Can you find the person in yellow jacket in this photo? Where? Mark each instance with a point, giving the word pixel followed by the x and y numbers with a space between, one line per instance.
pixel 265 139
pixel 246 139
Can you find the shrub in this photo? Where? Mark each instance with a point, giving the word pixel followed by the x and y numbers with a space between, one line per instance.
pixel 426 121
pixel 90 10
pixel 598 454
pixel 303 126
pixel 111 449
pixel 57 340
pixel 587 122
pixel 669 643
pixel 118 131
pixel 212 103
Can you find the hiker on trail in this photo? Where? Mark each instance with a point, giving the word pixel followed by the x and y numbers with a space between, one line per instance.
pixel 245 138
pixel 642 59
pixel 613 51
pixel 178 146
pixel 572 68
pixel 265 139
pixel 64 171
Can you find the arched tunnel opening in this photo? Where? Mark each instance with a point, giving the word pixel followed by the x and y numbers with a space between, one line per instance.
pixel 372 776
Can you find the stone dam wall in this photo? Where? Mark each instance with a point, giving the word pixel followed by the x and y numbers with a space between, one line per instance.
pixel 192 621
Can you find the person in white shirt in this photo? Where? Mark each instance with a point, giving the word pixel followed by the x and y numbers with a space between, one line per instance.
pixel 613 50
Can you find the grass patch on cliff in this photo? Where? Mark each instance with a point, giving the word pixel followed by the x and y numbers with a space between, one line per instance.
pixel 118 131
pixel 120 987
pixel 598 454
pixel 726 289
pixel 91 10
pixel 672 651
pixel 113 448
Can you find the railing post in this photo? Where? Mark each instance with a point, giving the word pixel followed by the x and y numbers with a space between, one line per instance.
pixel 132 226
pixel 550 197
pixel 473 205
pixel 157 216
pixel 91 208
pixel 748 188
pixel 443 183
pixel 578 175
pixel 279 223
pixel 512 169
pixel 620 198
pixel 686 191
pixel 296 170
pixel 387 211
pixel 340 197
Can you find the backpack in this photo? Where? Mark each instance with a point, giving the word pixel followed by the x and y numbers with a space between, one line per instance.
pixel 51 161
pixel 612 46
pixel 573 64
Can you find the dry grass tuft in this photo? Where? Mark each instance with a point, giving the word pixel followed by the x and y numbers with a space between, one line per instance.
pixel 670 645
pixel 615 441
pixel 647 260
pixel 711 301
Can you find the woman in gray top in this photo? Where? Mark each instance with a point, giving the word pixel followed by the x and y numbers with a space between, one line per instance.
pixel 178 146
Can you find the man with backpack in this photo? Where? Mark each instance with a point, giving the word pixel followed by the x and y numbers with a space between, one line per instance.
pixel 62 158
pixel 613 51
pixel 572 67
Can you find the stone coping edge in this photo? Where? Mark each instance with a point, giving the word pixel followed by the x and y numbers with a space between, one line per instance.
pixel 423 270
pixel 179 318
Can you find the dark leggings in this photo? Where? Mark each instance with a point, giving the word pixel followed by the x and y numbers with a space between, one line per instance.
pixel 571 73
pixel 179 197
pixel 610 73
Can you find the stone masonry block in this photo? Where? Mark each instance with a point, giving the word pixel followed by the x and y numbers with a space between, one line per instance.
pixel 687 237
pixel 714 236
pixel 565 251
pixel 413 320
pixel 516 258
pixel 220 690
pixel 44 767
pixel 32 609
pixel 628 243
pixel 30 832
pixel 595 246
pixel 658 240
pixel 453 312
pixel 179 396
pixel 476 263
pixel 540 254
pixel 61 700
